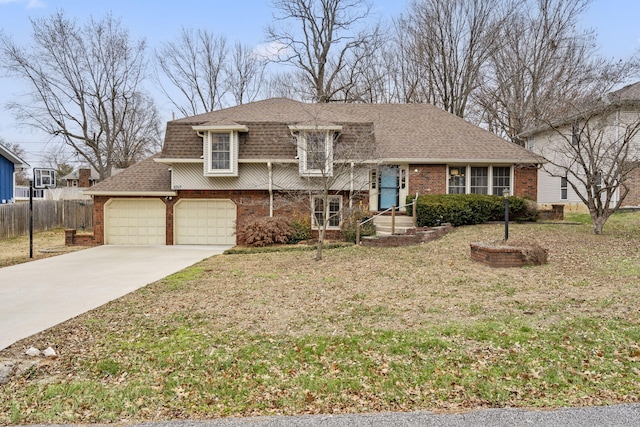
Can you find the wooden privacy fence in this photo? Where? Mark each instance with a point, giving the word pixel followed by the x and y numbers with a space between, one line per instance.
pixel 47 215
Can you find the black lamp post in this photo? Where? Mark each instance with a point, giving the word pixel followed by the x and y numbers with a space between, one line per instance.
pixel 505 193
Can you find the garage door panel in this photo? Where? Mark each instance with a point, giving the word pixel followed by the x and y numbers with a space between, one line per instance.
pixel 205 222
pixel 135 222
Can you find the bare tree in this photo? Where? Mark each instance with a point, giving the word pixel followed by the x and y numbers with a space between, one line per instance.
pixel 140 135
pixel 85 82
pixel 331 38
pixel 195 66
pixel 597 152
pixel 449 41
pixel 245 74
pixel 543 61
pixel 334 163
pixel 58 157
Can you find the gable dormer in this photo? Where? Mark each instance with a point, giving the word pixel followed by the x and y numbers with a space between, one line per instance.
pixel 220 147
pixel 315 148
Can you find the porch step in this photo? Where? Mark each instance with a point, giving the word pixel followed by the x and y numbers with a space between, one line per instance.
pixel 383 224
pixel 415 237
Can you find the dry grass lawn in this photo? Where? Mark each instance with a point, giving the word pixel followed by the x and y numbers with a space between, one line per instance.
pixel 45 244
pixel 238 334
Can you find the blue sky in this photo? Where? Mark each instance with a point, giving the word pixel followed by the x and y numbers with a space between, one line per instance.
pixel 158 21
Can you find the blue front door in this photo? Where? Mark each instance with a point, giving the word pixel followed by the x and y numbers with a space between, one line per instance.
pixel 388 188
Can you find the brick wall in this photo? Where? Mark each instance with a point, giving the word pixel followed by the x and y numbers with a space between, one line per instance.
pixel 249 204
pixel 503 256
pixel 427 179
pixel 525 182
pixel 633 197
pixel 84 178
pixel 98 218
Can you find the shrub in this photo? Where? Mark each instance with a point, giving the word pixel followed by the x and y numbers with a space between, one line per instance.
pixel 469 209
pixel 265 231
pixel 351 219
pixel 300 229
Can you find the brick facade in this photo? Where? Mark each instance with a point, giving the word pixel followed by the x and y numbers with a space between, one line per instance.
pixel 525 182
pixel 427 179
pixel 432 179
pixel 84 178
pixel 633 197
pixel 250 204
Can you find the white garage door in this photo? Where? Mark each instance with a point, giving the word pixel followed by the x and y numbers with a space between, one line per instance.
pixel 205 222
pixel 135 222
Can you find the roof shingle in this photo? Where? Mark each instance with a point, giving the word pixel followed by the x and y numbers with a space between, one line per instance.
pixel 402 131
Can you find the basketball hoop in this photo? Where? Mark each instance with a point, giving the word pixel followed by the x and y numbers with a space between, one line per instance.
pixel 44 178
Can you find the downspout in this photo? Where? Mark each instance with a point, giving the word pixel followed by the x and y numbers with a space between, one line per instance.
pixel 270 168
pixel 351 186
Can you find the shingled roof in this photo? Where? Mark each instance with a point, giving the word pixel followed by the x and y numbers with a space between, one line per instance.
pixel 411 133
pixel 627 97
pixel 402 132
pixel 147 178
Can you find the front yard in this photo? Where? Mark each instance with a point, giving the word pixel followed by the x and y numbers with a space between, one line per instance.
pixel 364 330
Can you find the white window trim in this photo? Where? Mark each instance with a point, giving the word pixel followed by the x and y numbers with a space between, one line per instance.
pixel 564 188
pixel 302 154
pixel 233 154
pixel 299 132
pixel 205 132
pixel 489 178
pixel 314 224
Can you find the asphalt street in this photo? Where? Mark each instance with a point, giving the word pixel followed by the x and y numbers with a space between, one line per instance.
pixel 627 415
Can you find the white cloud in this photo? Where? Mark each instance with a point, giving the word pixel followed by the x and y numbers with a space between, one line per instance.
pixel 271 51
pixel 30 4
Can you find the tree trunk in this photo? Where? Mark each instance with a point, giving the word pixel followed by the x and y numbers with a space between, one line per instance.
pixel 321 234
pixel 598 221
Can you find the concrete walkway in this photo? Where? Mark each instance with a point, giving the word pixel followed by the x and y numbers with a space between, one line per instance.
pixel 37 295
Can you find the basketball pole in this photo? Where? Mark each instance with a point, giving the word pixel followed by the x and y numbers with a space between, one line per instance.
pixel 30 218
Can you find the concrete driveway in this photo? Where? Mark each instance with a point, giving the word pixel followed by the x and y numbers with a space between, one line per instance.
pixel 37 295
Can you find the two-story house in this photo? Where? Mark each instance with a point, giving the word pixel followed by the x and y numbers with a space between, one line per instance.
pixel 273 158
pixel 596 136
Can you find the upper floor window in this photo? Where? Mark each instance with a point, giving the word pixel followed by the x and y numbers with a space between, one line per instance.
pixel 221 153
pixel 575 134
pixel 316 151
pixel 315 148
pixel 531 143
pixel 220 148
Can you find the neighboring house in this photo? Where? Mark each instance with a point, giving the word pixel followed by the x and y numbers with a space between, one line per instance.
pixel 224 168
pixel 84 177
pixel 9 163
pixel 618 111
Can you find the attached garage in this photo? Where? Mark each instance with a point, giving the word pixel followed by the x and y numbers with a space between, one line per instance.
pixel 204 222
pixel 135 222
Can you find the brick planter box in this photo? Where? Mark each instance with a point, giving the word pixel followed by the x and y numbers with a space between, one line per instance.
pixel 498 256
pixel 73 239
